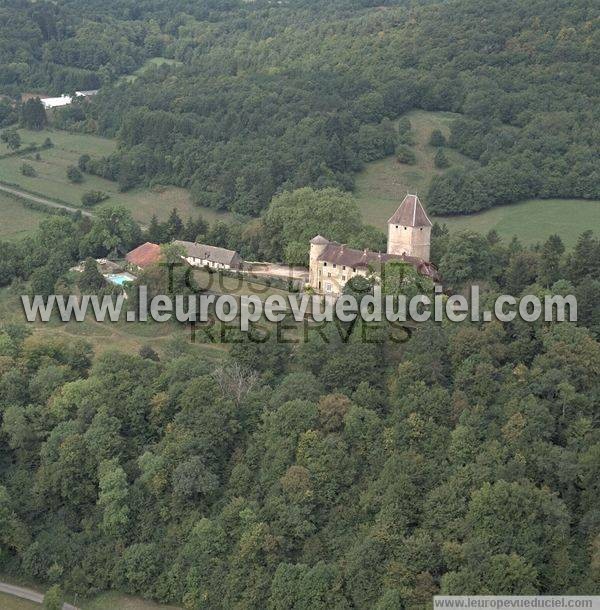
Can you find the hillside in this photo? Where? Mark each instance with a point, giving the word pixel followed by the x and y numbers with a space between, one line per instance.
pixel 533 221
pixel 18 221
pixel 382 184
pixel 302 464
pixel 50 179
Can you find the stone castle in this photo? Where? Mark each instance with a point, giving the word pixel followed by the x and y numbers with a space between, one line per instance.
pixel 332 264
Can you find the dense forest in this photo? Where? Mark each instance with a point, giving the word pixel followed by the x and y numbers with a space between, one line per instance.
pixel 334 473
pixel 339 472
pixel 276 96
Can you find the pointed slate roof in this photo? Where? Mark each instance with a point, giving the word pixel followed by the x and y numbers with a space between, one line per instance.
pixel 319 240
pixel 411 213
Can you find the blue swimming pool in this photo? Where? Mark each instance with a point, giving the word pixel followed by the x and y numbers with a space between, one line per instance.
pixel 120 278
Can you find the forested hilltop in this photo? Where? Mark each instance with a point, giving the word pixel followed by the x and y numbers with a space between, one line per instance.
pixel 328 474
pixel 275 96
pixel 365 468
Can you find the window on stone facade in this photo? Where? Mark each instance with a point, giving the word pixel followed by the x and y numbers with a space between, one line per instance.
pixel 328 287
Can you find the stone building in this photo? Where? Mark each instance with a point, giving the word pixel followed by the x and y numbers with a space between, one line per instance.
pixel 409 230
pixel 409 236
pixel 203 255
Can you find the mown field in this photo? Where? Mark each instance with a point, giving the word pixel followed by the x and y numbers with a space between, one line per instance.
pixel 51 179
pixel 8 602
pixel 16 220
pixel 534 220
pixel 150 63
pixel 382 185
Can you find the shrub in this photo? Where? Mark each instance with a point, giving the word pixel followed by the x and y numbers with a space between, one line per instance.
pixel 83 162
pixel 28 170
pixel 148 353
pixel 74 174
pixel 91 198
pixel 405 154
pixel 440 160
pixel 405 133
pixel 437 138
pixel 53 600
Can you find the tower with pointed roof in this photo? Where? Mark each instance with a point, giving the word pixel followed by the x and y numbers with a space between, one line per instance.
pixel 409 230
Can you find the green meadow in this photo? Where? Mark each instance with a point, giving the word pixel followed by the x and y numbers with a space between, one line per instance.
pixel 534 220
pixel 382 185
pixel 16 220
pixel 8 602
pixel 51 178
pixel 122 335
pixel 149 64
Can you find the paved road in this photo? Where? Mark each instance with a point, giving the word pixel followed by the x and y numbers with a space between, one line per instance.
pixel 29 594
pixel 42 200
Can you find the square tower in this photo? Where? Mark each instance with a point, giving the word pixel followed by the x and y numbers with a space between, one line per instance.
pixel 409 230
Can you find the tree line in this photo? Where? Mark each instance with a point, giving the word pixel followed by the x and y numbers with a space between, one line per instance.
pixel 277 98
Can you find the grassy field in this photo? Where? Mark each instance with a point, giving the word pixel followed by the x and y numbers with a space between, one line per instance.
pixel 17 220
pixel 534 220
pixel 154 61
pixel 122 335
pixel 8 602
pixel 223 284
pixel 382 185
pixel 107 601
pixel 51 179
pixel 116 601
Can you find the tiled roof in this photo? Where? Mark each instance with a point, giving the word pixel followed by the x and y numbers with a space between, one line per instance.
pixel 410 214
pixel 222 256
pixel 144 255
pixel 338 254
